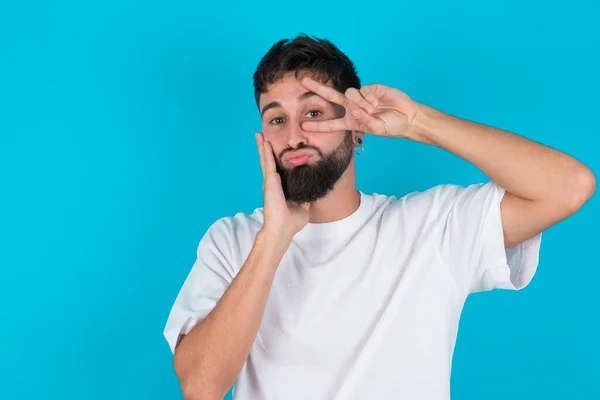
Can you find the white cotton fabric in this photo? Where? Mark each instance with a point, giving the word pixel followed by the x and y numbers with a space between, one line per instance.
pixel 366 307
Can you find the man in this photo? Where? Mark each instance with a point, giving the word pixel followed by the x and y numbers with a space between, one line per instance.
pixel 330 293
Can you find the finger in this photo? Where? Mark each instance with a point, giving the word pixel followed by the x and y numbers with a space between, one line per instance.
pixel 357 98
pixel 269 158
pixel 368 123
pixel 261 152
pixel 370 95
pixel 330 125
pixel 326 92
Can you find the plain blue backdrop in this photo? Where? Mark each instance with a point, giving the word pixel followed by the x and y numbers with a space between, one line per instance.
pixel 126 129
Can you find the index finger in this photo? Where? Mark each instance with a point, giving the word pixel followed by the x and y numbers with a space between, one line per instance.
pixel 326 92
pixel 330 125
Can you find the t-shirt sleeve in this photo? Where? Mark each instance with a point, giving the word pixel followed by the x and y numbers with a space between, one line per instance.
pixel 208 279
pixel 472 240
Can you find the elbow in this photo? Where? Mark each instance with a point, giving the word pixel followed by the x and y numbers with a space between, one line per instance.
pixel 190 391
pixel 583 188
pixel 199 379
pixel 193 383
pixel 194 390
pixel 591 184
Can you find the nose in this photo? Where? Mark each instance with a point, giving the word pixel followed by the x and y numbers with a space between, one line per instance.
pixel 296 135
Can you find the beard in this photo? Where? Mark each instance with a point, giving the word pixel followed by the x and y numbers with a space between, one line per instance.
pixel 307 183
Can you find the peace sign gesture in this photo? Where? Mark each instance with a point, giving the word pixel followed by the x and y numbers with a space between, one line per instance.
pixel 377 109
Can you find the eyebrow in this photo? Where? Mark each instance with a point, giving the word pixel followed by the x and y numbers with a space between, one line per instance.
pixel 276 104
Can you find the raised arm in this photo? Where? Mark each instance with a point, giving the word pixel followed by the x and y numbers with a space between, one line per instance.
pixel 543 185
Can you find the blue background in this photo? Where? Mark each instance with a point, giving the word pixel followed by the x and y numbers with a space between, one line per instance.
pixel 126 129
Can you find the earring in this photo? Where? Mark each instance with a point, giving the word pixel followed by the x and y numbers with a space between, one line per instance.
pixel 360 148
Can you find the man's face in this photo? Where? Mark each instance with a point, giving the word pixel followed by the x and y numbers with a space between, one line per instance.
pixel 309 163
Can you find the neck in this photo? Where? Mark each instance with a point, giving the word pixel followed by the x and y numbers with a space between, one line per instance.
pixel 341 202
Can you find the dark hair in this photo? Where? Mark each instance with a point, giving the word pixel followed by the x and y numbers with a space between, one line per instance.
pixel 304 52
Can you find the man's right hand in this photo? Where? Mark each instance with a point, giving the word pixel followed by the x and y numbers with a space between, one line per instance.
pixel 282 219
pixel 210 357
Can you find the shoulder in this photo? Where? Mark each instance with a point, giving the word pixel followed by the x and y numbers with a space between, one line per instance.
pixel 230 230
pixel 434 200
pixel 473 197
pixel 416 199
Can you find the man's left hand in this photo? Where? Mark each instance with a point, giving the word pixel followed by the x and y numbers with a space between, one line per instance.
pixel 376 109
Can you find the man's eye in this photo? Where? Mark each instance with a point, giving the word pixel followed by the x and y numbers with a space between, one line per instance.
pixel 314 113
pixel 276 121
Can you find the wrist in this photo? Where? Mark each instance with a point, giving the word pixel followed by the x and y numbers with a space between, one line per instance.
pixel 424 126
pixel 273 243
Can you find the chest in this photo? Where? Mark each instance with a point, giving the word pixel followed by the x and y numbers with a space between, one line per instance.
pixel 326 307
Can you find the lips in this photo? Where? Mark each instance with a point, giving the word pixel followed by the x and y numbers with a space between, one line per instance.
pixel 298 160
pixel 297 157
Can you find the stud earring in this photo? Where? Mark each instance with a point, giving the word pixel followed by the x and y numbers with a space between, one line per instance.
pixel 360 148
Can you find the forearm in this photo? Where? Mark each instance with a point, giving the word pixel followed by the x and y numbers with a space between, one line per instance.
pixel 523 167
pixel 210 357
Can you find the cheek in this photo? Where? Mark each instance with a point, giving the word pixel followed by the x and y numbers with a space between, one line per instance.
pixel 326 141
pixel 273 137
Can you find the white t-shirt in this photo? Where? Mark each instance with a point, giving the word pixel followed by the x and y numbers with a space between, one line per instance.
pixel 366 307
